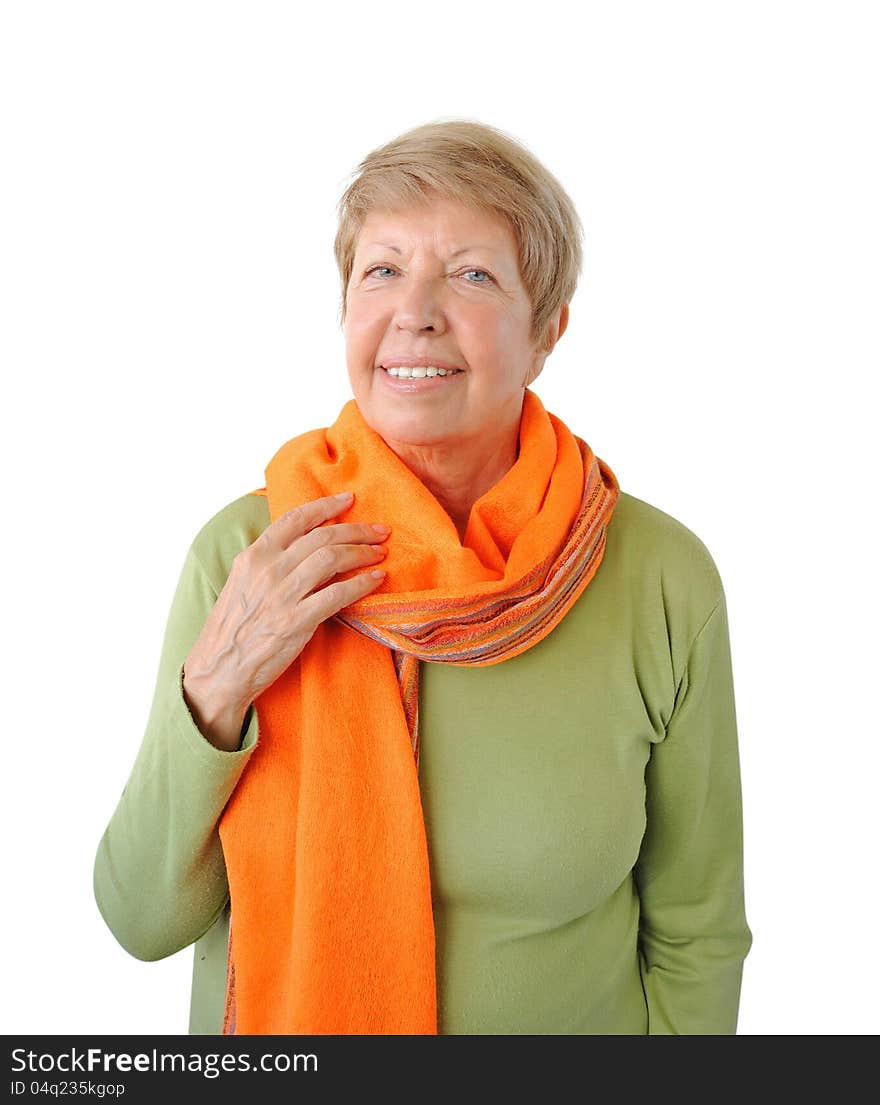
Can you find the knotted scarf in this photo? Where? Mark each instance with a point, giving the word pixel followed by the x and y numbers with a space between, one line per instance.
pixel 331 922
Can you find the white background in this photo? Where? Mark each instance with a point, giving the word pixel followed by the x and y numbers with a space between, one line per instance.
pixel 170 317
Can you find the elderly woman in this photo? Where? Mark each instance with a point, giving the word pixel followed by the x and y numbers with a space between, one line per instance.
pixel 491 786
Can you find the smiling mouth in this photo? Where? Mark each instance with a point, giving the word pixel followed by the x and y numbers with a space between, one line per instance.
pixel 419 372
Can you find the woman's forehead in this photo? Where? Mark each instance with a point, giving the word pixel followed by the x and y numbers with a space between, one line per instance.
pixel 449 227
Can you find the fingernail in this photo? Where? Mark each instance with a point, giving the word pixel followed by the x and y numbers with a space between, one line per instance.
pixel 382 529
pixel 377 574
pixel 344 495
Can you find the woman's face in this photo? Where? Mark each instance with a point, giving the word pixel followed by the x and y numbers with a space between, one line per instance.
pixel 439 286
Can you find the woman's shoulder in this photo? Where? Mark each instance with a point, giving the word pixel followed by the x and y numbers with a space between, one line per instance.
pixel 650 544
pixel 227 532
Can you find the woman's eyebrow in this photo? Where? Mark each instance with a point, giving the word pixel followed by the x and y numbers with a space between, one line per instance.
pixel 455 253
pixel 383 245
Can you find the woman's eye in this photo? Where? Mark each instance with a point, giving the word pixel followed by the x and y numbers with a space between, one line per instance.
pixel 479 272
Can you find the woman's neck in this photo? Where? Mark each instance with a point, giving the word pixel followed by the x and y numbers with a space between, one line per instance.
pixel 458 475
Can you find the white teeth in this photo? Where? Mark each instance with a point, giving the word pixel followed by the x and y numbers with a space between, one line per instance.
pixel 419 372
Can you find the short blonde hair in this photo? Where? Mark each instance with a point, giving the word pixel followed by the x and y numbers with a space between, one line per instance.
pixel 487 170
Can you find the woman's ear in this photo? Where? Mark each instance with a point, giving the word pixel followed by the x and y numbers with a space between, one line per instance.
pixel 555 329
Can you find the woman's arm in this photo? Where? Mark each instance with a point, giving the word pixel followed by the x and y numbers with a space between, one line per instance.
pixel 159 874
pixel 693 931
pixel 249 598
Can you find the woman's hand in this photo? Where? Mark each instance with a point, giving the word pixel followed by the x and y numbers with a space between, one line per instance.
pixel 272 603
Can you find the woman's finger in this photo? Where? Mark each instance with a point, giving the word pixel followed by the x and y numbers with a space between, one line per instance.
pixel 327 601
pixel 286 529
pixel 326 562
pixel 343 533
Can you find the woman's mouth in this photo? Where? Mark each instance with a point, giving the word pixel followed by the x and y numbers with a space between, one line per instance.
pixel 419 372
pixel 418 377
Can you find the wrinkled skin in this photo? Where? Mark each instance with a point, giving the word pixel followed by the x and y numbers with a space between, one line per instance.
pixel 277 594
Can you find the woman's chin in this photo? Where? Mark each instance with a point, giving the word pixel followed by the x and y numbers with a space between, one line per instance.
pixel 411 428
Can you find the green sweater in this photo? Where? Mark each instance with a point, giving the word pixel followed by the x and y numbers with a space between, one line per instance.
pixel 582 806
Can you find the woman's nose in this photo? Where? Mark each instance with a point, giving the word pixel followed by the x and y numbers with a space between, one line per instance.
pixel 419 306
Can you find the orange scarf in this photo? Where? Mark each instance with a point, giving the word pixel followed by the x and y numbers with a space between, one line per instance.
pixel 324 838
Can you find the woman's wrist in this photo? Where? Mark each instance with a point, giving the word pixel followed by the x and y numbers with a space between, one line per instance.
pixel 218 714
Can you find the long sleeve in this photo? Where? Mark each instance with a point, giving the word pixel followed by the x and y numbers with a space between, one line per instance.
pixel 693 930
pixel 159 874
